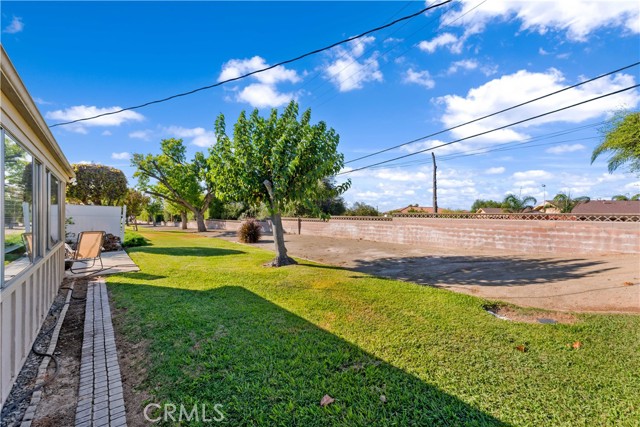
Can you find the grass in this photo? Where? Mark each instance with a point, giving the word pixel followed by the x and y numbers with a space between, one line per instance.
pixel 268 344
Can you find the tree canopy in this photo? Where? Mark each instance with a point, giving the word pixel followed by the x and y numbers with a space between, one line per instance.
pixel 362 209
pixel 135 202
pixel 97 185
pixel 170 176
pixel 566 203
pixel 276 160
pixel 516 204
pixel 621 140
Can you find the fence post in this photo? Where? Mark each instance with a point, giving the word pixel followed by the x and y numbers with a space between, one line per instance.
pixel 299 225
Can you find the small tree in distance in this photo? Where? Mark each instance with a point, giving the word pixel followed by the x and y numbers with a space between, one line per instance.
pixel 135 203
pixel 362 209
pixel 515 204
pixel 277 160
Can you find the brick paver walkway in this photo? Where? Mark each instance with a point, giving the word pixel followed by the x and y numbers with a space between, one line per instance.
pixel 100 399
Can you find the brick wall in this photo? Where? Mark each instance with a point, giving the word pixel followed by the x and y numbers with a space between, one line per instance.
pixel 553 237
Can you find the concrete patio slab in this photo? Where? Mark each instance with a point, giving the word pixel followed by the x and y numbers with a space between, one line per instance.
pixel 114 262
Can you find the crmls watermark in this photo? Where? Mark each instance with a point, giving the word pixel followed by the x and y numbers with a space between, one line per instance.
pixel 154 413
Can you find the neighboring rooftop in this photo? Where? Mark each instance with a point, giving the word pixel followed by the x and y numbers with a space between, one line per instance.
pixel 414 209
pixel 608 207
pixel 490 211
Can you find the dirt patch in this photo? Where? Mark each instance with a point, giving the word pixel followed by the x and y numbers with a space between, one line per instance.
pixel 585 283
pixel 530 316
pixel 59 398
pixel 133 359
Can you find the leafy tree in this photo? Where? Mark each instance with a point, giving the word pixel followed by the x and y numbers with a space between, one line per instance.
pixel 621 139
pixel 328 202
pixel 277 160
pixel 566 203
pixel 154 210
pixel 171 177
pixel 98 185
pixel 479 203
pixel 362 209
pixel 622 197
pixel 135 202
pixel 515 204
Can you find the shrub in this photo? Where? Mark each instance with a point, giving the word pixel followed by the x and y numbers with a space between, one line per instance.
pixel 250 231
pixel 132 239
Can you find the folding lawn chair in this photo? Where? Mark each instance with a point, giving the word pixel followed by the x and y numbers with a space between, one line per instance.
pixel 88 248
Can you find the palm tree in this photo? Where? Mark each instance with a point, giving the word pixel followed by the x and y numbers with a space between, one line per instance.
pixel 515 204
pixel 622 197
pixel 566 203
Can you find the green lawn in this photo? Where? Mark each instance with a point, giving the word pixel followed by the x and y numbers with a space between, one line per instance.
pixel 268 343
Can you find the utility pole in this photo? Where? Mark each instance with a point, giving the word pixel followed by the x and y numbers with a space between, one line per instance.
pixel 435 185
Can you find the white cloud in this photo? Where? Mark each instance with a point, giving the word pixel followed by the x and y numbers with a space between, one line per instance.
pixel 106 133
pixel 261 95
pixel 199 136
pixel 237 67
pixel 543 52
pixel 264 93
pixel 465 64
pixel 532 174
pixel 565 148
pixel 349 70
pixel 144 135
pixel 41 101
pixel 121 156
pixel 84 162
pixel 422 78
pixel 15 26
pixel 83 111
pixel 578 18
pixel 445 39
pixel 495 170
pixel 512 89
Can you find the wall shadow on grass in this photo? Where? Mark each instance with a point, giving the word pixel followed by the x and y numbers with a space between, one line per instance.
pixel 186 251
pixel 481 270
pixel 268 366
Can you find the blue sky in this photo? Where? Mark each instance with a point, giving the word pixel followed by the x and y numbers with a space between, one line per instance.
pixel 459 62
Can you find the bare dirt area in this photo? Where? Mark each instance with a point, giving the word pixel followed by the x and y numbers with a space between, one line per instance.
pixel 595 283
pixel 58 404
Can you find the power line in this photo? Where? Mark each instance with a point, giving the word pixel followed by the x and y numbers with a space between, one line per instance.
pixel 370 49
pixel 494 114
pixel 288 61
pixel 505 146
pixel 443 25
pixel 494 130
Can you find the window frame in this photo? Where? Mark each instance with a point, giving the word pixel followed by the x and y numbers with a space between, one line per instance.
pixel 36 178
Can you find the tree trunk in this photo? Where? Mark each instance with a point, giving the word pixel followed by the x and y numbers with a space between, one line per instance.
pixel 281 258
pixel 200 220
pixel 135 223
pixel 183 218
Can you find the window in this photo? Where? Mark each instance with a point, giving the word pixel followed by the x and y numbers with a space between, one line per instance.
pixel 53 209
pixel 19 234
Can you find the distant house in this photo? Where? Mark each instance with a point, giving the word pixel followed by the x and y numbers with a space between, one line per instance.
pixel 548 207
pixel 608 207
pixel 414 209
pixel 490 211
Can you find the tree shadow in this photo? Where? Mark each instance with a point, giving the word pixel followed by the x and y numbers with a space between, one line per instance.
pixel 186 251
pixel 481 270
pixel 268 366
